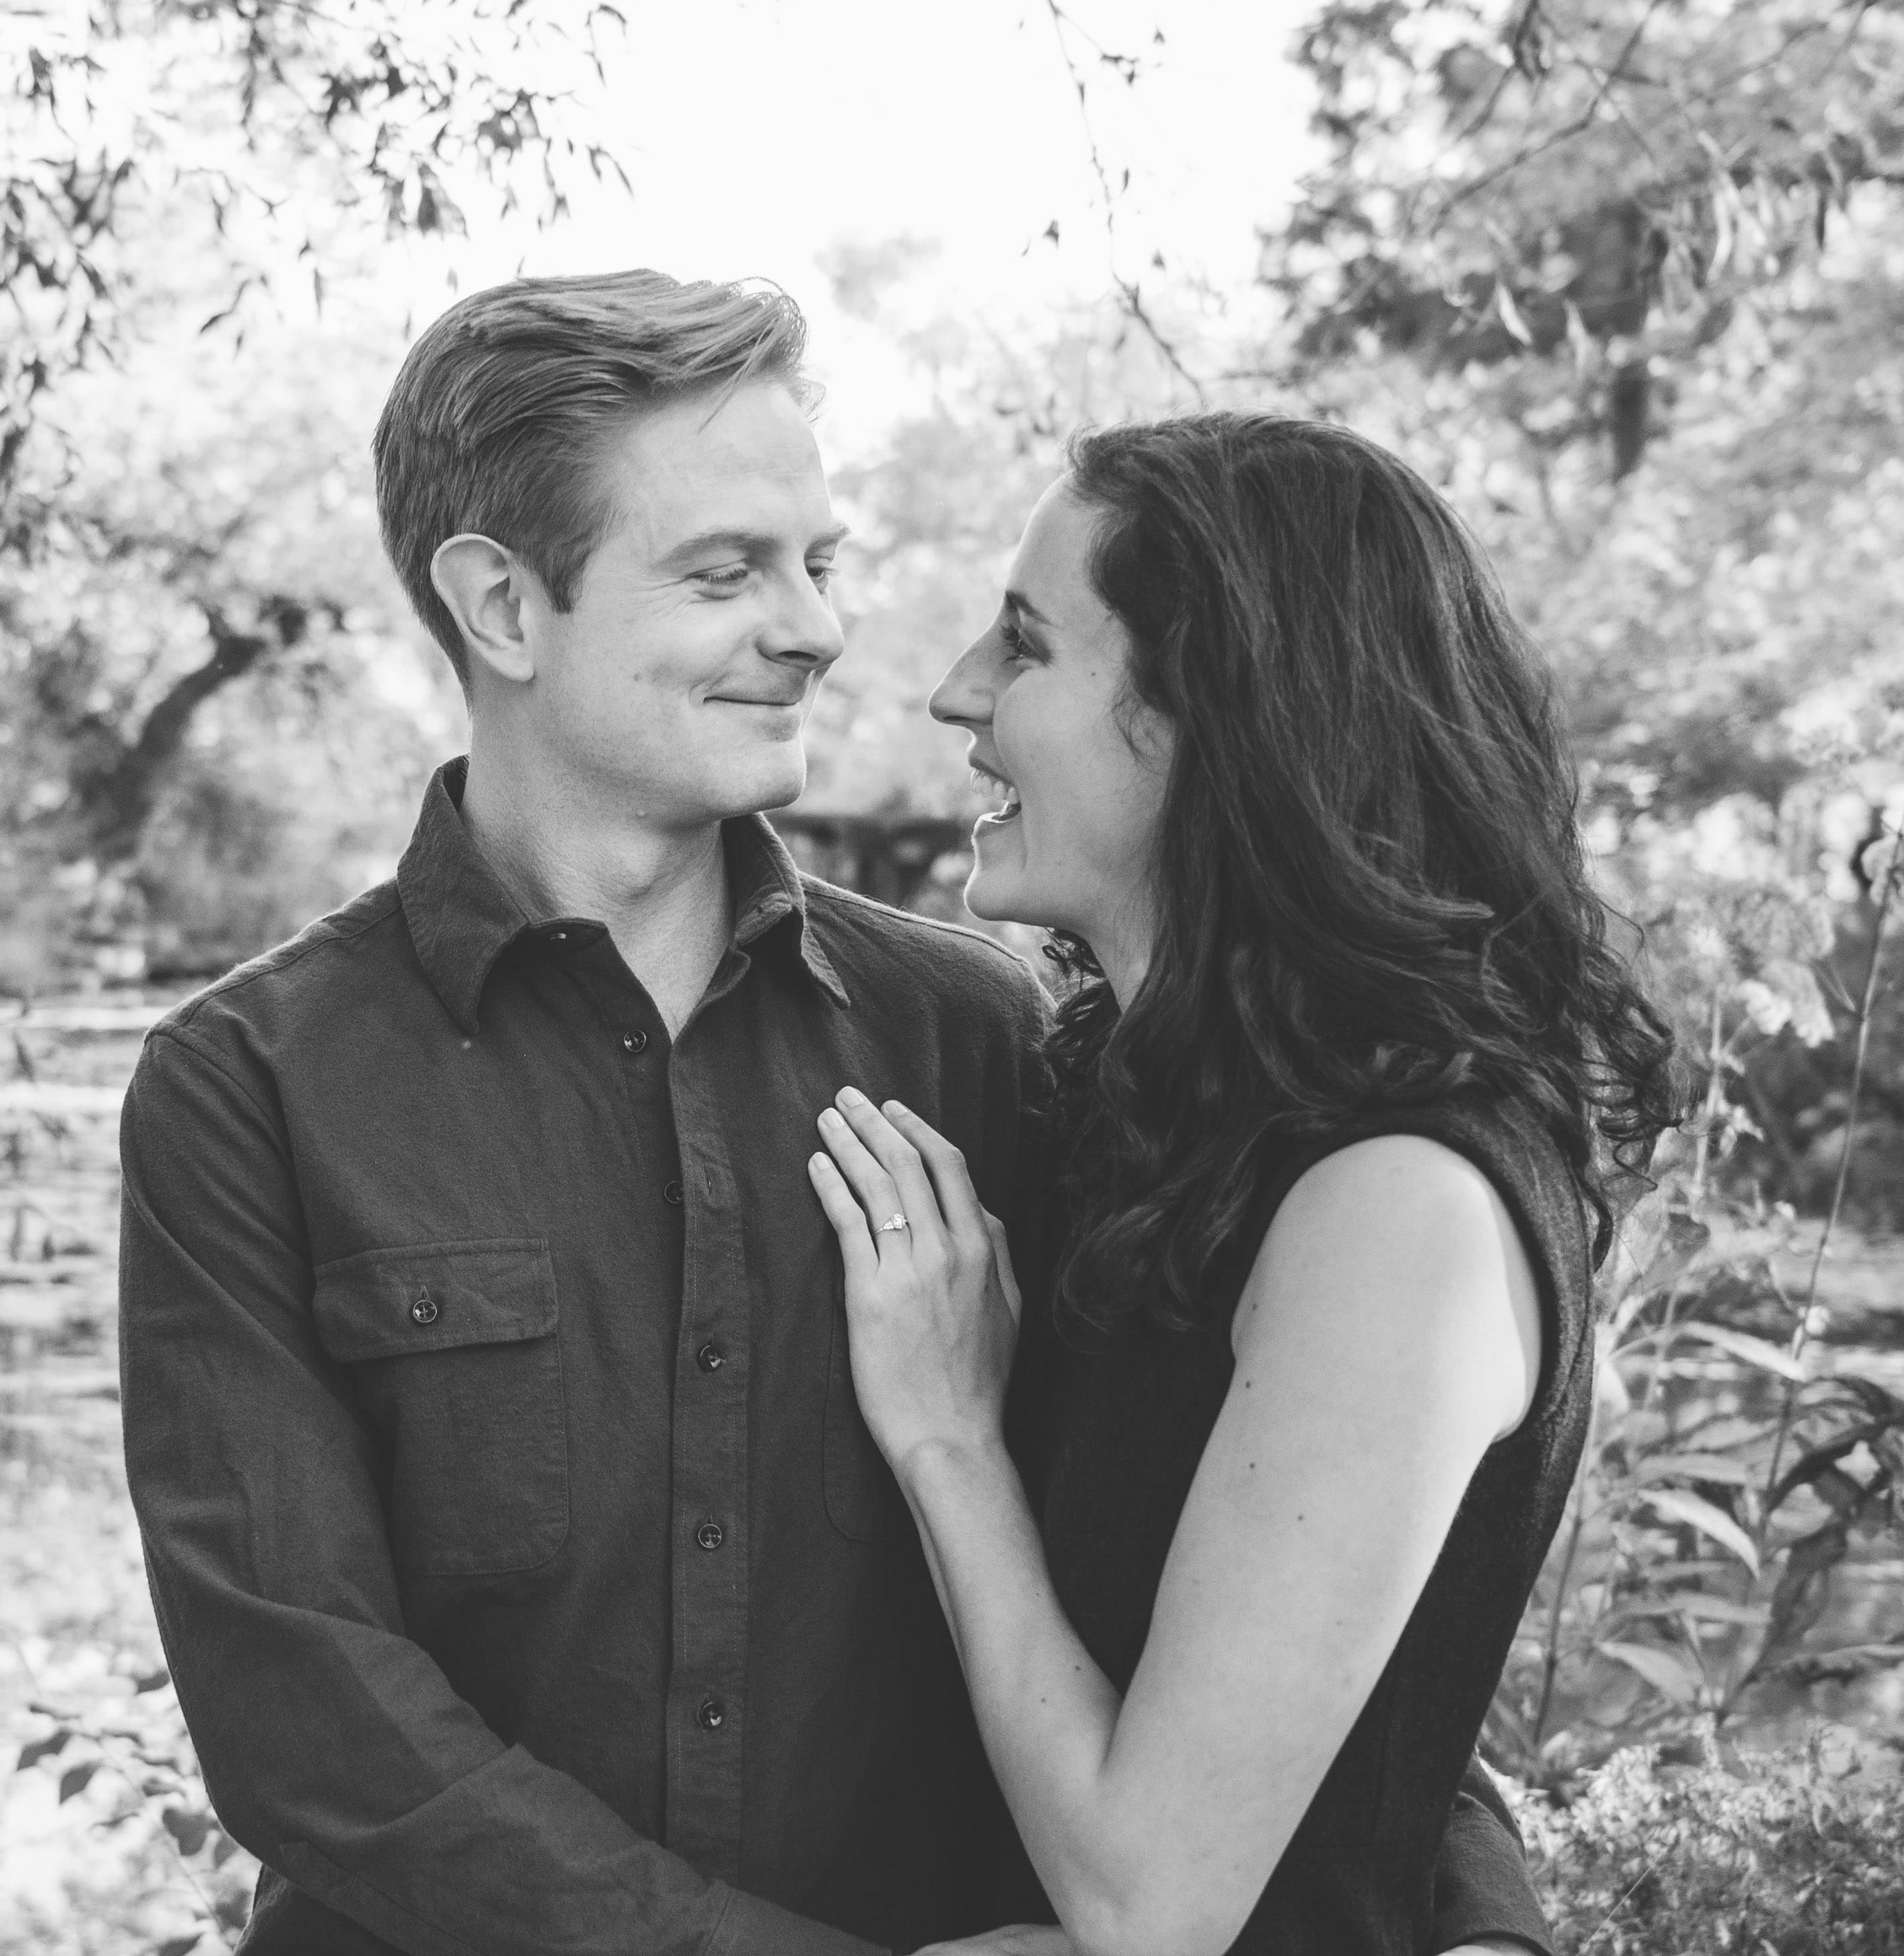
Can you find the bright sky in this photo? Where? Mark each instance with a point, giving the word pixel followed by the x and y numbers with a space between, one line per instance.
pixel 759 133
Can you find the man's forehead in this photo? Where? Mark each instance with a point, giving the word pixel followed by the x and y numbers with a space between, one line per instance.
pixel 734 463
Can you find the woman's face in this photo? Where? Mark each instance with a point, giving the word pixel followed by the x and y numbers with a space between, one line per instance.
pixel 1078 768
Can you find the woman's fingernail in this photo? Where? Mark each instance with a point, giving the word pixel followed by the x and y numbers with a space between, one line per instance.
pixel 830 1117
pixel 852 1096
pixel 899 1107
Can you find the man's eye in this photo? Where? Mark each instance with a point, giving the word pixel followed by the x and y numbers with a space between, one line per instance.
pixel 736 574
pixel 821 574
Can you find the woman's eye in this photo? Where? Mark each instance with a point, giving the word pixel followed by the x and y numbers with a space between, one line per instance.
pixel 1017 645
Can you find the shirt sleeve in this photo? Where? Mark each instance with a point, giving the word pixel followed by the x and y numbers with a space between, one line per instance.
pixel 1481 1882
pixel 333 1747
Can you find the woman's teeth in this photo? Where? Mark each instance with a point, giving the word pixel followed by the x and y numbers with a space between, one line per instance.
pixel 992 785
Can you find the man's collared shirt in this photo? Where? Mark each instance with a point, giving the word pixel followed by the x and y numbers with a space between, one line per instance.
pixel 528 1574
pixel 529 1578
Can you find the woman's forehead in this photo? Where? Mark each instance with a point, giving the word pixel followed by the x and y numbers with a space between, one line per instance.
pixel 1051 568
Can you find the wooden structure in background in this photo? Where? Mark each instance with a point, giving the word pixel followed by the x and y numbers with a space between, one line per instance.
pixel 885 857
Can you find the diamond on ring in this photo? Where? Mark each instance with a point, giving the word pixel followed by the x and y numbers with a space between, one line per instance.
pixel 896 1221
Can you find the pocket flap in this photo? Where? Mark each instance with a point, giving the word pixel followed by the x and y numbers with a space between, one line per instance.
pixel 387 1304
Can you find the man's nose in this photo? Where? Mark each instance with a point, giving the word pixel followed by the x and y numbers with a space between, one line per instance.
pixel 807 634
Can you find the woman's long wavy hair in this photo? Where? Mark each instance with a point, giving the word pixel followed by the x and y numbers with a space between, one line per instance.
pixel 1369 888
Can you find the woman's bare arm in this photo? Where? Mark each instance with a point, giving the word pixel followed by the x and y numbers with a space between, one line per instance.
pixel 1388 1333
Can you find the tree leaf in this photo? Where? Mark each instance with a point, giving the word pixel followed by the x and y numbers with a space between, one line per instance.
pixel 1696 1604
pixel 1722 1610
pixel 1683 1238
pixel 1510 313
pixel 75 1779
pixel 187 1826
pixel 1661 1669
pixel 1716 1467
pixel 37 1750
pixel 1678 1506
pixel 1758 1351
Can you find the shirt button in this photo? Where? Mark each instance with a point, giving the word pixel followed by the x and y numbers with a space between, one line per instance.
pixel 710 1358
pixel 424 1311
pixel 673 1193
pixel 710 1715
pixel 634 1042
pixel 708 1534
pixel 558 937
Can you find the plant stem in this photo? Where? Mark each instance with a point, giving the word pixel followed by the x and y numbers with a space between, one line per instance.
pixel 1887 889
pixel 1715 1096
pixel 1606 1921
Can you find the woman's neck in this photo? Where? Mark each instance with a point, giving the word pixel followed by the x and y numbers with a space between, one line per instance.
pixel 1123 948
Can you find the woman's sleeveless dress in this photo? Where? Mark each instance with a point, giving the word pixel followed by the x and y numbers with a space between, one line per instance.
pixel 1112 1438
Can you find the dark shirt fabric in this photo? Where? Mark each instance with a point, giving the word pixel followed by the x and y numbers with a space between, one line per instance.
pixel 529 1578
pixel 1380 1864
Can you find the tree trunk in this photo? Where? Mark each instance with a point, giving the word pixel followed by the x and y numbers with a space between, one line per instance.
pixel 119 786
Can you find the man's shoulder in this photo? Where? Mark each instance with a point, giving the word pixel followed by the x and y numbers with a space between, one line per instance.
pixel 879 946
pixel 291 979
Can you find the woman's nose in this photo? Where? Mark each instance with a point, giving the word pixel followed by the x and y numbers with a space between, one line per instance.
pixel 963 698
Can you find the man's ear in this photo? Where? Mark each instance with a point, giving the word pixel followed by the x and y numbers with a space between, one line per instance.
pixel 482 585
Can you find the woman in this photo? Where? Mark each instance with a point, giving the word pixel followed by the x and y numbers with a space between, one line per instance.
pixel 1349 1085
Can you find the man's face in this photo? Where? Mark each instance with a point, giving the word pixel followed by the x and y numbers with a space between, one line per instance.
pixel 680 681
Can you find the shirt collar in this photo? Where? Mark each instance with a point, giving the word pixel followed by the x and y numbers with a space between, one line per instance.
pixel 768 891
pixel 462 918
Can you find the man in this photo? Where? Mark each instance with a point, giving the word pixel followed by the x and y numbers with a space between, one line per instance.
pixel 528 1578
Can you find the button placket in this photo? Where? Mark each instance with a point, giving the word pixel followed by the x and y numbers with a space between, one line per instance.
pixel 710 1478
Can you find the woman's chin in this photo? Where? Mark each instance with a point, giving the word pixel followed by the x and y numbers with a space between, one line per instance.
pixel 999 894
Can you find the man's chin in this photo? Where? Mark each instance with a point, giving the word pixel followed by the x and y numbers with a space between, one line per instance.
pixel 735 792
pixel 779 788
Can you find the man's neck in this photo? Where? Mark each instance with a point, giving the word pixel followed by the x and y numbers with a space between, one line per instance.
pixel 662 892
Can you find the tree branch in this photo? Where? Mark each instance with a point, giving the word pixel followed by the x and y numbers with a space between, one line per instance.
pixel 1129 296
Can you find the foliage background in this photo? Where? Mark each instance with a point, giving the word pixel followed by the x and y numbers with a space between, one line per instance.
pixel 1622 279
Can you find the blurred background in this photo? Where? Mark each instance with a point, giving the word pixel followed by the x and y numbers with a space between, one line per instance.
pixel 1621 277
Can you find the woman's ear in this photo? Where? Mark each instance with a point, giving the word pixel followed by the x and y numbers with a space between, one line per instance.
pixel 482 583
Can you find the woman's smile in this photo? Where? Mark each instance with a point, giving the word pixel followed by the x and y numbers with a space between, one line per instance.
pixel 1041 694
pixel 987 781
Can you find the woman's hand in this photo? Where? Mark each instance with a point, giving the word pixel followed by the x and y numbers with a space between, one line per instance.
pixel 932 1307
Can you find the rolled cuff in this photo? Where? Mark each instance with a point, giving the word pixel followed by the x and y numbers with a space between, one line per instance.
pixel 749 1926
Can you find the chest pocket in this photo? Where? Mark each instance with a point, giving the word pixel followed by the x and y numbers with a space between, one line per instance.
pixel 456 1354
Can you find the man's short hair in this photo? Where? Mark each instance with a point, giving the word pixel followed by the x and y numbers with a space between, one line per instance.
pixel 499 415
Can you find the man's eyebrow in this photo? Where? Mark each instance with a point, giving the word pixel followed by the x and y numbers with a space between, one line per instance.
pixel 749 542
pixel 1019 602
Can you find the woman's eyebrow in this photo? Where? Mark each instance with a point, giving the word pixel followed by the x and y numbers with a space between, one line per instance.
pixel 1019 602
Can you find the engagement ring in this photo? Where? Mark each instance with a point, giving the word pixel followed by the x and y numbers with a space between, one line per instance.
pixel 894 1221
